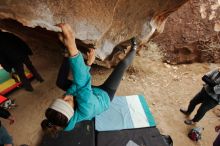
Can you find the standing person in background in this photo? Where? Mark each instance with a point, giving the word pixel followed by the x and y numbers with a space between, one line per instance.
pixel 14 53
pixel 209 97
pixel 217 140
pixel 5 138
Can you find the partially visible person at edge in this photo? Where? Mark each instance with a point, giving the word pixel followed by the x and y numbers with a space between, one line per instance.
pixel 217 140
pixel 209 97
pixel 81 100
pixel 5 138
pixel 14 53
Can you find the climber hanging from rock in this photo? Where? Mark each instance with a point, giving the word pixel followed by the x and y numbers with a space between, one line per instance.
pixel 82 101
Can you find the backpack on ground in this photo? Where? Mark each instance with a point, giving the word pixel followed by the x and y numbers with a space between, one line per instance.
pixel 195 134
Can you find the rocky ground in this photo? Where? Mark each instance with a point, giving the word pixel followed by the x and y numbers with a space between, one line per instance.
pixel 166 88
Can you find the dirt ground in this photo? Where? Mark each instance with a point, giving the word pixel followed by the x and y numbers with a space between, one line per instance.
pixel 189 34
pixel 166 88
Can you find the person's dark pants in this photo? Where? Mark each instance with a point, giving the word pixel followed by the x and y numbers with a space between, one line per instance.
pixel 217 141
pixel 7 67
pixel 5 138
pixel 19 69
pixel 112 82
pixel 110 85
pixel 62 79
pixel 207 103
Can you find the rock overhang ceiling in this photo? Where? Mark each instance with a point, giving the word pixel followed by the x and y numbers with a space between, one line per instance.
pixel 103 24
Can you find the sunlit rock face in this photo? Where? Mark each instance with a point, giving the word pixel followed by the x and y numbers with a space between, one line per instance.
pixel 102 24
pixel 192 33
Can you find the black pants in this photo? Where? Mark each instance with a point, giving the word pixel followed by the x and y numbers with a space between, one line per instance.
pixel 217 141
pixel 19 69
pixel 110 85
pixel 206 101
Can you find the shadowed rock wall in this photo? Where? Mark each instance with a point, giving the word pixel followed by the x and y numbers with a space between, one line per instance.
pixel 100 23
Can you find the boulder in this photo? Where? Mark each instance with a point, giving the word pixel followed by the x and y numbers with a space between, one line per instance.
pixel 102 24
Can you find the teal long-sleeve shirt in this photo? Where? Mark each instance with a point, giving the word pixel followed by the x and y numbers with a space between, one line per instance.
pixel 90 101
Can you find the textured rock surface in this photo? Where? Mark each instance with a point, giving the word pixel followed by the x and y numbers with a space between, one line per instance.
pixel 101 23
pixel 192 33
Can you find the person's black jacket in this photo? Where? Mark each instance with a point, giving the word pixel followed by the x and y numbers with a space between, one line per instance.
pixel 12 49
pixel 4 114
pixel 5 63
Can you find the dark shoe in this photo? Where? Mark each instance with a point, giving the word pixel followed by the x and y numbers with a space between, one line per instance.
pixel 184 112
pixel 28 88
pixel 133 43
pixel 40 79
pixel 189 122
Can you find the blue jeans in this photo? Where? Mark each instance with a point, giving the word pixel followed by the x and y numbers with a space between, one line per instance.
pixel 5 138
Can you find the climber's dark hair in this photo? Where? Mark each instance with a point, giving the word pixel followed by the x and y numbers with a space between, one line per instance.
pixel 54 123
